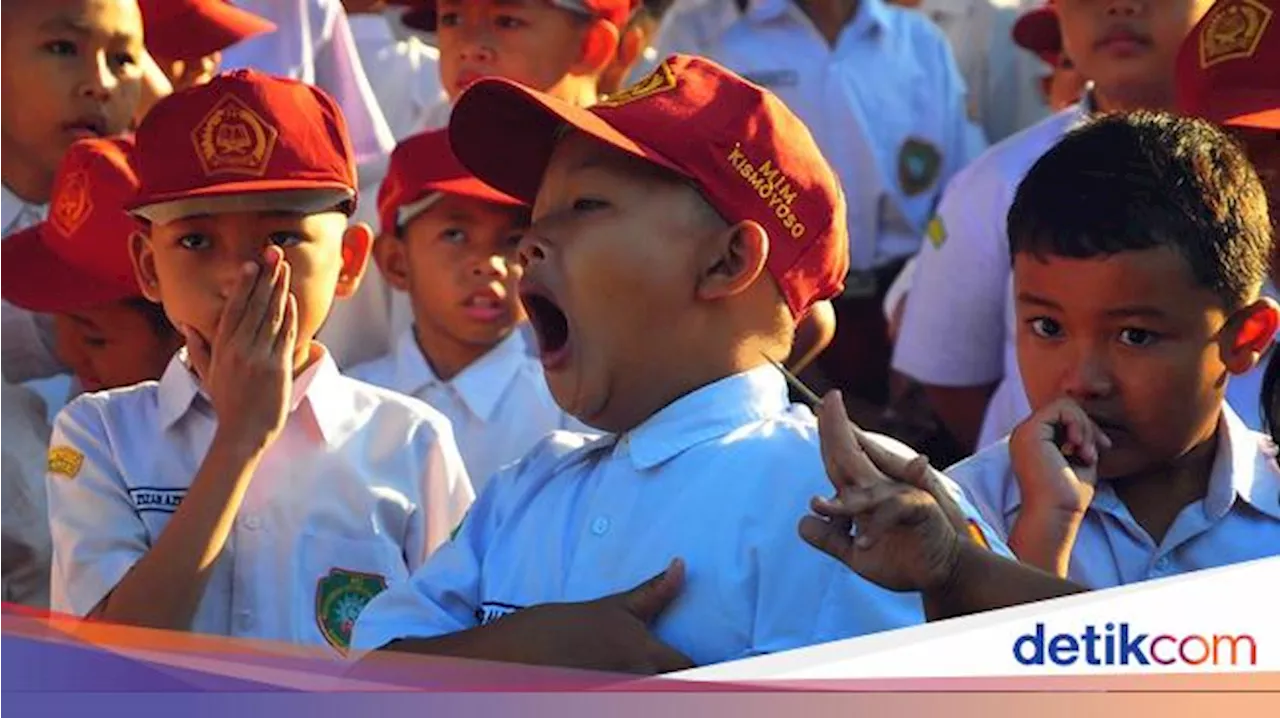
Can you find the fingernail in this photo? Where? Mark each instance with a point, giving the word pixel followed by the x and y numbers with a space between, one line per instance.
pixel 249 269
pixel 862 541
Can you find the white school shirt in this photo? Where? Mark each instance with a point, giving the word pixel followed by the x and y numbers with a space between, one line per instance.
pixel 404 73
pixel 313 43
pixel 359 488
pixel 720 478
pixel 958 324
pixel 26 543
pixel 1003 78
pixel 26 347
pixel 1238 520
pixel 881 104
pixel 499 405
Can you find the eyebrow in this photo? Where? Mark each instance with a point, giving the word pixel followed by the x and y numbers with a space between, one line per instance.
pixel 84 322
pixel 1135 310
pixel 63 23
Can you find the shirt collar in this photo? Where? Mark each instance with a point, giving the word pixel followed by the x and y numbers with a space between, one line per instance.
pixel 480 385
pixel 317 390
pixel 706 413
pixel 1244 467
pixel 17 214
pixel 871 15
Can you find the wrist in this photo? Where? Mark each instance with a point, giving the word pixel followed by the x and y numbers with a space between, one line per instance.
pixel 238 445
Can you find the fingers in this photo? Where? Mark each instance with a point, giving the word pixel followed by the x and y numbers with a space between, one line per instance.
pixel 286 337
pixel 199 352
pixel 256 305
pixel 234 310
pixel 842 455
pixel 826 537
pixel 273 317
pixel 665 659
pixel 648 600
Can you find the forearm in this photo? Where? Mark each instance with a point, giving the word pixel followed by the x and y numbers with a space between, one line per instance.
pixel 163 589
pixel 983 581
pixel 1044 538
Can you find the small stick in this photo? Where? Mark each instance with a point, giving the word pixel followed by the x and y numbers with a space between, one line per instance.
pixel 807 393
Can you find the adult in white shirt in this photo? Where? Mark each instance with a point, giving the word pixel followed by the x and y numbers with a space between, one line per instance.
pixel 26 544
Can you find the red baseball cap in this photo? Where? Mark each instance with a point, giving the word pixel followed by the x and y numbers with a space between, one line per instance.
pixel 618 12
pixel 191 29
pixel 245 133
pixel 422 168
pixel 1228 69
pixel 748 154
pixel 79 256
pixel 1037 30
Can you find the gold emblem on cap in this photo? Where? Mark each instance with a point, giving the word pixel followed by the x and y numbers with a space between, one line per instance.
pixel 233 139
pixel 662 79
pixel 1233 31
pixel 72 205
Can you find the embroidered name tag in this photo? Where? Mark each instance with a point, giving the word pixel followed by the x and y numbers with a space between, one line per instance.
pixel 491 611
pixel 166 500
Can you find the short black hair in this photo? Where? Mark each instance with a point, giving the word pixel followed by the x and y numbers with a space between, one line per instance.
pixel 154 314
pixel 1139 180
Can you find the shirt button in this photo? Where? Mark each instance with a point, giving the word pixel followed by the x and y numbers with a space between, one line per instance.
pixel 1162 565
pixel 600 526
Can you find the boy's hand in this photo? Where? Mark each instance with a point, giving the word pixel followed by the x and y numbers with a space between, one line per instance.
pixel 607 634
pixel 1055 457
pixel 247 369
pixel 908 527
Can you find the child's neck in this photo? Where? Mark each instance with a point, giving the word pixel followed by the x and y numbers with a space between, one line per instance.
pixel 446 356
pixel 1143 98
pixel 1156 497
pixel 829 16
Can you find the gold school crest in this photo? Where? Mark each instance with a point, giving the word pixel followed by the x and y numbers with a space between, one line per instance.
pixel 340 597
pixel 233 139
pixel 72 205
pixel 662 79
pixel 1233 31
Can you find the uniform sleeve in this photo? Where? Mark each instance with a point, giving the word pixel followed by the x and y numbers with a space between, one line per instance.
pixel 443 595
pixel 447 490
pixel 953 326
pixel 26 544
pixel 986 483
pixel 97 535
pixel 966 139
pixel 339 72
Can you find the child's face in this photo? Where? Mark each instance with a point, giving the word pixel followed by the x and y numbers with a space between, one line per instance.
pixel 1128 47
pixel 528 41
pixel 190 265
pixel 459 264
pixel 70 70
pixel 112 345
pixel 1134 340
pixel 611 263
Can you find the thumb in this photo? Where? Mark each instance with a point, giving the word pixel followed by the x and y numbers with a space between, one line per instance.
pixel 648 600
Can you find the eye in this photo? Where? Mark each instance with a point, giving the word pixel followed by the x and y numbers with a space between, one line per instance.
pixel 285 240
pixel 95 342
pixel 124 58
pixel 512 242
pixel 448 19
pixel 508 22
pixel 194 242
pixel 588 205
pixel 1045 328
pixel 62 48
pixel 453 235
pixel 1134 337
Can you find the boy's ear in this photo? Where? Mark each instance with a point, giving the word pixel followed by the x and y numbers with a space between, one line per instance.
pixel 1248 334
pixel 391 255
pixel 734 260
pixel 599 44
pixel 144 265
pixel 357 242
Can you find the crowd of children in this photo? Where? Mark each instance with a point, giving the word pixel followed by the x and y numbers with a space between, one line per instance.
pixel 517 389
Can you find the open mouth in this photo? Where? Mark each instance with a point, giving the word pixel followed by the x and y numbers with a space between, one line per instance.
pixel 86 127
pixel 551 326
pixel 486 307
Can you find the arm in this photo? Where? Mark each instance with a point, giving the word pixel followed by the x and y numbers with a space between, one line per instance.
pixel 979 580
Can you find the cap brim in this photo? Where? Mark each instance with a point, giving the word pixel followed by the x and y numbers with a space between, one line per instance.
pixel 1259 110
pixel 144 206
pixel 37 279
pixel 423 19
pixel 504 133
pixel 307 200
pixel 207 28
pixel 1038 31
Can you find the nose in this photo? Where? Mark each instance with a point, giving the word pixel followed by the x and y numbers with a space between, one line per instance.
pixel 1089 376
pixel 477 44
pixel 1124 8
pixel 99 81
pixel 495 266
pixel 533 249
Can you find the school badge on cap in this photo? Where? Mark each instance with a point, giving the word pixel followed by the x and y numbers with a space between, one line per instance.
pixel 72 205
pixel 1232 31
pixel 340 597
pixel 662 79
pixel 918 165
pixel 233 139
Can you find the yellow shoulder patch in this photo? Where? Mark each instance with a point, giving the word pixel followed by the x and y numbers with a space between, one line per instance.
pixel 1233 31
pixel 65 461
pixel 937 232
pixel 976 535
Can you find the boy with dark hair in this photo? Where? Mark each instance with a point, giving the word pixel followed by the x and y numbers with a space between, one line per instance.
pixel 1132 316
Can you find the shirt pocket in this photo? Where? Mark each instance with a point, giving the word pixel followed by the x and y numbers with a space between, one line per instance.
pixel 338 577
